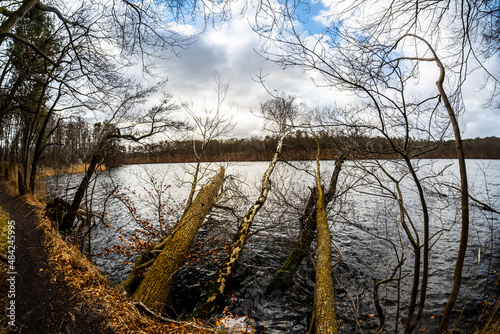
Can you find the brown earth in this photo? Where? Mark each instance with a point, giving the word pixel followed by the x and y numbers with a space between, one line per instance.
pixel 57 290
pixel 44 302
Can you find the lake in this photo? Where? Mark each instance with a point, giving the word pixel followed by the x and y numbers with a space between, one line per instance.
pixel 365 224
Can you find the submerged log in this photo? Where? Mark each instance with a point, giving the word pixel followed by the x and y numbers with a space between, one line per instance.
pixel 226 270
pixel 302 247
pixel 156 285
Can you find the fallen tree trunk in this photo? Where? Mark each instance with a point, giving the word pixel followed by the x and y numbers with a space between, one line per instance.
pixel 145 260
pixel 324 298
pixel 307 232
pixel 219 282
pixel 155 287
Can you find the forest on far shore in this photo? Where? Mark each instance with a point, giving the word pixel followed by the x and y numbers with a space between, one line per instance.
pixel 300 147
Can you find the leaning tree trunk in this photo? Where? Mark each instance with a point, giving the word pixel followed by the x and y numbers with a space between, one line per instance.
pixel 145 260
pixel 69 219
pixel 14 17
pixel 219 282
pixel 464 192
pixel 155 287
pixel 306 236
pixel 324 298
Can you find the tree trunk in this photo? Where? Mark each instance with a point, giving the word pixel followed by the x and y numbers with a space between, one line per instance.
pixel 155 287
pixel 37 154
pixel 306 236
pixel 412 320
pixel 21 184
pixel 324 297
pixel 193 185
pixel 15 16
pixel 464 192
pixel 226 270
pixel 145 260
pixel 69 219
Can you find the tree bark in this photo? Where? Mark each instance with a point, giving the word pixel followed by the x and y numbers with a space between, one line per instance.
pixel 69 219
pixel 37 154
pixel 21 184
pixel 464 192
pixel 324 296
pixel 307 232
pixel 155 287
pixel 145 260
pixel 15 16
pixel 226 270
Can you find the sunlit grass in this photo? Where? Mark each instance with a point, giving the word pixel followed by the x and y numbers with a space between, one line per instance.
pixel 4 219
pixel 73 169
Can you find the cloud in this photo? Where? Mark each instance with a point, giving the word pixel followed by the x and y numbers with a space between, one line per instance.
pixel 230 51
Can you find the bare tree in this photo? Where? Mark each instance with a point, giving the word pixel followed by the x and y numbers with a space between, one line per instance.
pixel 96 42
pixel 127 121
pixel 283 113
pixel 375 58
pixel 213 123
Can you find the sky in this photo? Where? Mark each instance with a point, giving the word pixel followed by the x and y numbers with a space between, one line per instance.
pixel 230 52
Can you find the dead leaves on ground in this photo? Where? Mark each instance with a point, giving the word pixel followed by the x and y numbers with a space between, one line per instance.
pixel 92 289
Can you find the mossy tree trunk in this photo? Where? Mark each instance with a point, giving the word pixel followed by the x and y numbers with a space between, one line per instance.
pixel 221 278
pixel 324 297
pixel 307 232
pixel 14 17
pixel 155 287
pixel 145 260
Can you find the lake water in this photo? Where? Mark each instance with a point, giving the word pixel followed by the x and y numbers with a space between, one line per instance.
pixel 365 224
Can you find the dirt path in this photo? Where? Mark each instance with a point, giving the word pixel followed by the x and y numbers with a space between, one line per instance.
pixel 44 302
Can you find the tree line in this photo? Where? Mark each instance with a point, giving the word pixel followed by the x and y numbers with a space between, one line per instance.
pixel 297 146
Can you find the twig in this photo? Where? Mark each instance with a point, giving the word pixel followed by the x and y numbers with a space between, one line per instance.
pixel 168 320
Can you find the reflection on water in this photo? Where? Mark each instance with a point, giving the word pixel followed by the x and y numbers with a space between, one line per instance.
pixel 365 225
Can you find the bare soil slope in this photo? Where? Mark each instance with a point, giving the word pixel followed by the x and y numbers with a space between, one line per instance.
pixel 44 301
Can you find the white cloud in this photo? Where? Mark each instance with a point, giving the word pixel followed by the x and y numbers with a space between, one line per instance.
pixel 229 51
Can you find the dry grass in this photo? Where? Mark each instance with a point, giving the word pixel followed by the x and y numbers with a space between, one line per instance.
pixel 96 293
pixel 91 288
pixel 74 169
pixel 4 219
pixel 493 325
pixel 37 198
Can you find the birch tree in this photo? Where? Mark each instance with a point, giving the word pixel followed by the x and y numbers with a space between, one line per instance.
pixel 282 111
